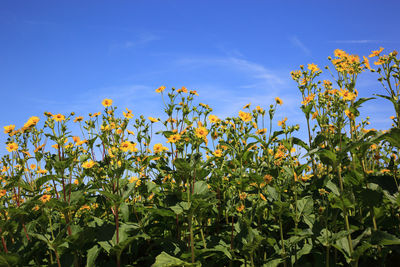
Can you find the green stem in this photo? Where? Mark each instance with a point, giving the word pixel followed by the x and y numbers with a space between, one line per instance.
pixel 282 241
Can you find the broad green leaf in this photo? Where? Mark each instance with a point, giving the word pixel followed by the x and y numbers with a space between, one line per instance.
pixel 177 209
pixel 384 238
pixel 124 211
pixel 327 157
pixel 92 255
pixel 200 188
pixel 331 186
pixel 166 260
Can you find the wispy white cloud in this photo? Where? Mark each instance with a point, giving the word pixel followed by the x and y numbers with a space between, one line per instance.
pixel 259 74
pixel 365 41
pixel 138 41
pixel 296 42
pixel 142 39
pixel 253 83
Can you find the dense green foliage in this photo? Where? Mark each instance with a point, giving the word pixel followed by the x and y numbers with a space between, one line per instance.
pixel 217 192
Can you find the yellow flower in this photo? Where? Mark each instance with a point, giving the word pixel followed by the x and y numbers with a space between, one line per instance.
pixel 79 143
pixel 127 145
pixel 40 171
pixel 240 208
pixel 246 117
pixel 242 195
pixel 366 63
pixel 282 122
pixel 261 131
pixel 33 166
pixel 193 92
pixel 278 101
pixel 349 114
pixel 59 117
pixel 218 153
pixel 373 147
pixel 160 89
pixel 376 52
pixel 32 121
pixel 95 114
pixel 213 119
pixel 295 75
pixel 8 129
pixel 45 198
pixel 322 191
pixel 339 53
pixel 128 114
pixel 152 119
pixel 174 138
pixel 151 196
pixel 263 197
pixel 106 102
pixel 88 164
pixel 308 99
pixel 246 106
pixel 158 148
pixel 5 169
pixel 204 105
pixel 306 177
pixel 12 147
pixel 313 67
pixel 267 178
pixel 183 90
pixel 3 192
pixel 201 132
pixel 327 84
pixel 27 153
pixel 79 118
pixel 347 95
pixel 259 109
pixel 314 115
pixel 133 179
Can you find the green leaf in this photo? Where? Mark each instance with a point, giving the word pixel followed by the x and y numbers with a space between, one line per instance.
pixel 299 142
pixel 386 97
pixel 183 167
pixel 362 100
pixel 327 157
pixel 342 245
pixel 124 211
pixel 273 263
pixel 384 238
pixel 200 188
pixel 177 209
pixel 331 186
pixel 386 182
pixel 105 245
pixel 8 260
pixel 44 179
pixel 371 197
pixel 166 260
pixel 393 137
pixel 92 255
pixel 109 195
pixel 305 206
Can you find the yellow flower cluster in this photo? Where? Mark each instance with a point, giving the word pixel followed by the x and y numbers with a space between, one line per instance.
pixel 245 116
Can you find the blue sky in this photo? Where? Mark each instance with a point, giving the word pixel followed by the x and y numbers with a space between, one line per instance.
pixel 63 56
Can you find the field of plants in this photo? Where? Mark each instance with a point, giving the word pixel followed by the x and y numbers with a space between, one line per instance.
pixel 237 191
